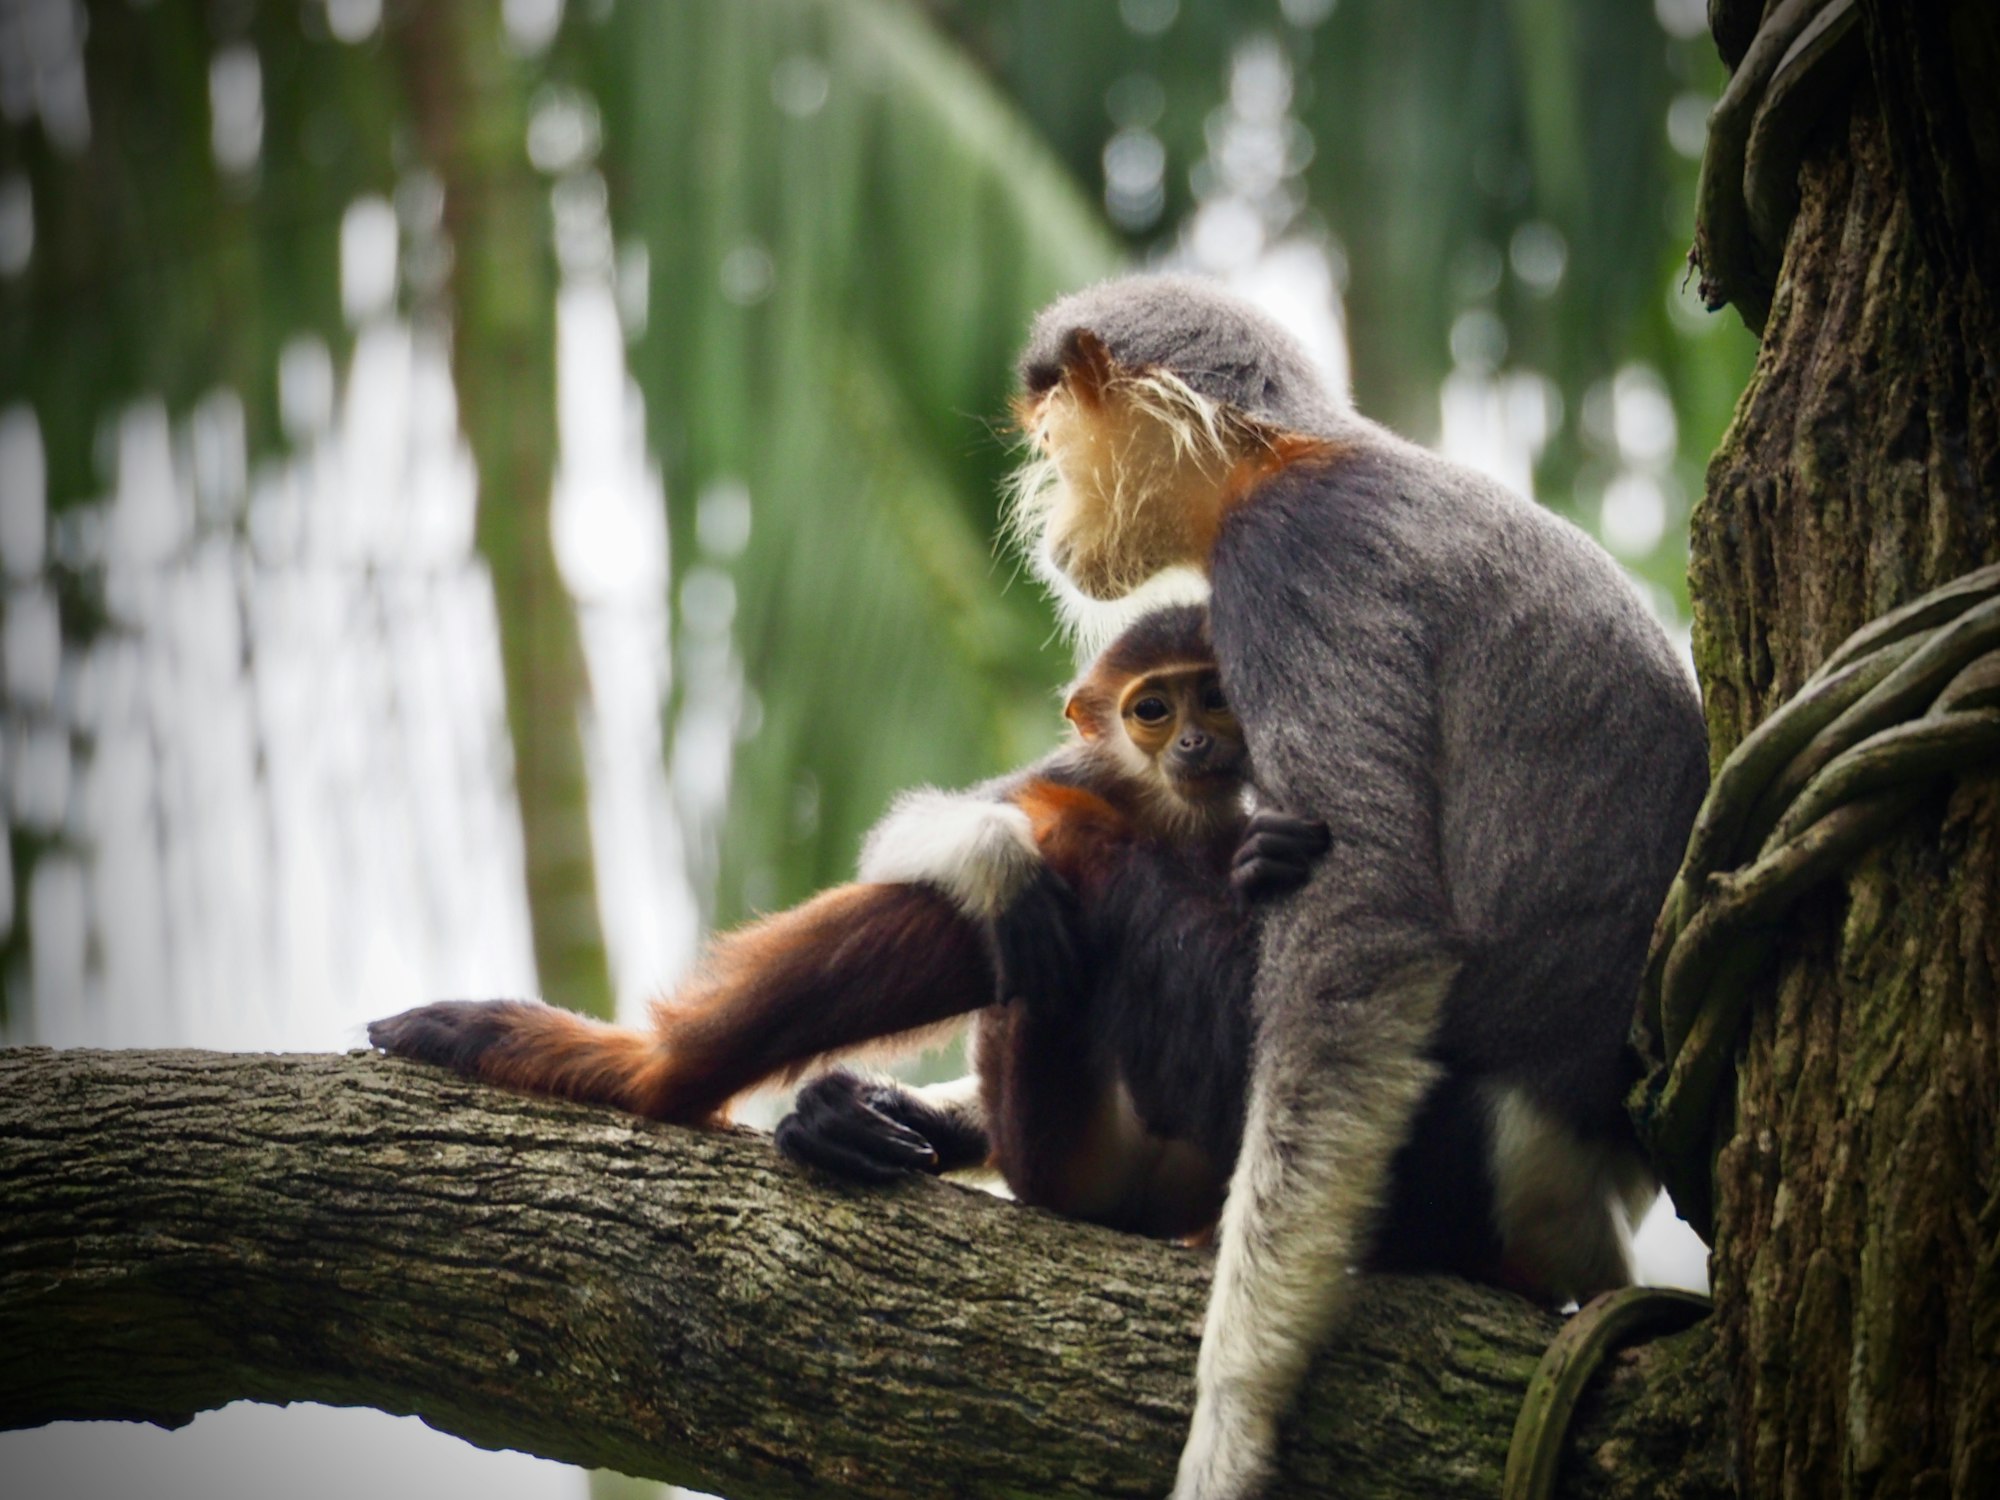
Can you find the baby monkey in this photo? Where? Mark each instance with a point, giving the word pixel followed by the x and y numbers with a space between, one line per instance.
pixel 1096 909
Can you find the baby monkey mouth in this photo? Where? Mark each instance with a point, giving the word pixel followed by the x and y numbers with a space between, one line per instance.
pixel 1205 774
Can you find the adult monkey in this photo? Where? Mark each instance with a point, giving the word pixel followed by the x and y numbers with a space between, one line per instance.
pixel 1509 756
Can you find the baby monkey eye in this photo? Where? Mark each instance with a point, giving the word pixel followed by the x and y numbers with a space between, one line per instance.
pixel 1150 710
pixel 1212 700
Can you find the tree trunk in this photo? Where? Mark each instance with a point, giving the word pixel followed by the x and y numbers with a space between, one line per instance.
pixel 1857 1261
pixel 187 1228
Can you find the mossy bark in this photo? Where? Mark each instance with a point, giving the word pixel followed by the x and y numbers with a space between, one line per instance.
pixel 1857 1263
pixel 187 1228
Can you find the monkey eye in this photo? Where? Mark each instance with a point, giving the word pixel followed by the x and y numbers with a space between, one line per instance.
pixel 1151 710
pixel 1212 700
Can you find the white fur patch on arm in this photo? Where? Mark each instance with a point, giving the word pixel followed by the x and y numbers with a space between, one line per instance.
pixel 977 851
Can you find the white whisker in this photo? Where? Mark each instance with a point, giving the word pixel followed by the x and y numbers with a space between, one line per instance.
pixel 1109 483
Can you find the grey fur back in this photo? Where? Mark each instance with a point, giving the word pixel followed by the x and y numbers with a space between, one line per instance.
pixel 1503 667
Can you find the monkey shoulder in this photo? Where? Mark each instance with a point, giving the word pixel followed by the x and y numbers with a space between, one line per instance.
pixel 1078 815
pixel 1377 547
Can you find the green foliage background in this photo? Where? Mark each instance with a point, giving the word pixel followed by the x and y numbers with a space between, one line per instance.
pixel 901 230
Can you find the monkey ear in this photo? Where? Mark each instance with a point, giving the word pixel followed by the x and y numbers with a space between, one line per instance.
pixel 1087 365
pixel 1083 716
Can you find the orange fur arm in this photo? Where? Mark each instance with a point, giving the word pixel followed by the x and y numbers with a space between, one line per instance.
pixel 853 965
pixel 532 1047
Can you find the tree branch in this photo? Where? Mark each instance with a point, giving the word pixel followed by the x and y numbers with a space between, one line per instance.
pixel 186 1229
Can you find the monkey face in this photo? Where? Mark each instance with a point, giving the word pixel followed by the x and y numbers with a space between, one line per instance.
pixel 1154 405
pixel 1181 730
pixel 1131 472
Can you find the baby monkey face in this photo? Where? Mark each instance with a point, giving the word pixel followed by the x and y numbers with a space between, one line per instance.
pixel 1181 728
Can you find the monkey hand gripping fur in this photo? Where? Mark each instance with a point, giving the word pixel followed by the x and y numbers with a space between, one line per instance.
pixel 1508 756
pixel 1023 899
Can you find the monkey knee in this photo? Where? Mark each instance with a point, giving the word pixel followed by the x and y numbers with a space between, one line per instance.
pixel 1039 951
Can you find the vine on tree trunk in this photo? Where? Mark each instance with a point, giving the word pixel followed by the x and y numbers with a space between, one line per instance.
pixel 1909 698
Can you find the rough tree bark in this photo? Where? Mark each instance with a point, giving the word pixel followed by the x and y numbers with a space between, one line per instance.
pixel 1857 1266
pixel 183 1229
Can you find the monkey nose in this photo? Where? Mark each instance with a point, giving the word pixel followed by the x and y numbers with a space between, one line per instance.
pixel 1079 347
pixel 1192 741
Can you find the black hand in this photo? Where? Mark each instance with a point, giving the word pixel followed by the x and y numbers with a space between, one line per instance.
pixel 1038 949
pixel 1277 854
pixel 452 1033
pixel 856 1127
